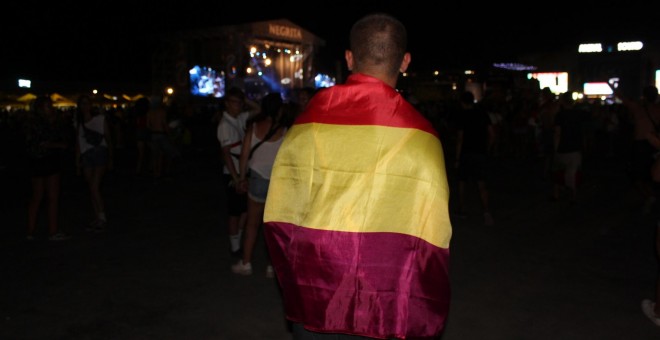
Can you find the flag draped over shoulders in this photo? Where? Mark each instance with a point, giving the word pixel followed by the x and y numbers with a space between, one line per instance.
pixel 356 218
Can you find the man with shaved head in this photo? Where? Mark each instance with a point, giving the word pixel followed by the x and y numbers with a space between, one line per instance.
pixel 356 218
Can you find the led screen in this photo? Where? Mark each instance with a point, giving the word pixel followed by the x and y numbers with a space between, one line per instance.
pixel 207 82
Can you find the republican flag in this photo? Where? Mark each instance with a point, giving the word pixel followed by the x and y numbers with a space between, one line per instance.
pixel 356 218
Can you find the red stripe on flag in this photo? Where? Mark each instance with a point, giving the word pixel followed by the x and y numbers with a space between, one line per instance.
pixel 355 283
pixel 374 104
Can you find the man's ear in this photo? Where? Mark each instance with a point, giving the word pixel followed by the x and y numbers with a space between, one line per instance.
pixel 405 62
pixel 349 59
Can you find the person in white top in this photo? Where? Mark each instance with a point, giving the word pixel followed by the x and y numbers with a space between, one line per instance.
pixel 260 145
pixel 230 133
pixel 94 157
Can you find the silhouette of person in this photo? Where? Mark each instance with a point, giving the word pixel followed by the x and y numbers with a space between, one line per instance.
pixel 547 110
pixel 651 307
pixel 94 160
pixel 645 115
pixel 568 146
pixel 163 152
pixel 46 138
pixel 142 139
pixel 474 136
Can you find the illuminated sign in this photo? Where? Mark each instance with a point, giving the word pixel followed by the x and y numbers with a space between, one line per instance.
pixel 556 81
pixel 24 83
pixel 597 89
pixel 620 46
pixel 590 48
pixel 629 46
pixel 285 31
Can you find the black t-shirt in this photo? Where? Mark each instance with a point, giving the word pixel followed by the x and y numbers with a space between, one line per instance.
pixel 571 122
pixel 474 122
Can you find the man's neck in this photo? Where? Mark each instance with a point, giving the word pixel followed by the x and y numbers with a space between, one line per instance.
pixel 378 74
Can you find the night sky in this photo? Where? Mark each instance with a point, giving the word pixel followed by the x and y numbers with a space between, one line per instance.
pixel 113 41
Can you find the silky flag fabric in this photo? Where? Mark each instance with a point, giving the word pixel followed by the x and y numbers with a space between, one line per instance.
pixel 356 218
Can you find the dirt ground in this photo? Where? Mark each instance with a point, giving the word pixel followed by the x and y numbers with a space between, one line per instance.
pixel 545 270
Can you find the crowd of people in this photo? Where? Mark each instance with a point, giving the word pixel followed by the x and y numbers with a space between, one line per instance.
pixel 147 139
pixel 46 143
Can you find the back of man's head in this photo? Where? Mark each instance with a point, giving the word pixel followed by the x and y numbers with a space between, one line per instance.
pixel 378 40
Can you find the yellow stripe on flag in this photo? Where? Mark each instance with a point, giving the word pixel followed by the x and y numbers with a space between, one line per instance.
pixel 361 178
